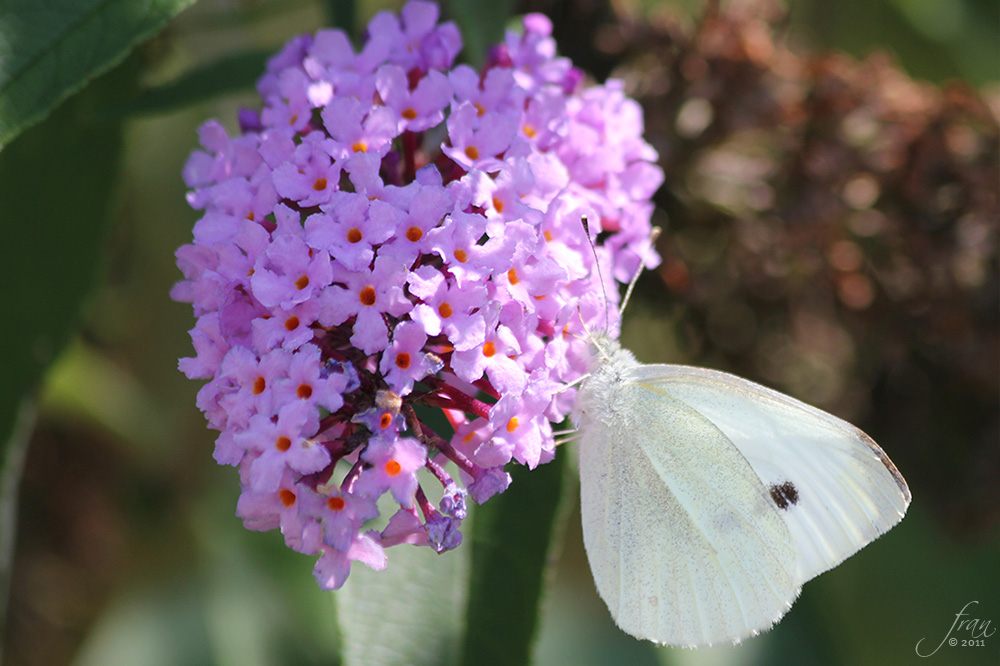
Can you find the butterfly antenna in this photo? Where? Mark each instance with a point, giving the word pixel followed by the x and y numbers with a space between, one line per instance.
pixel 635 278
pixel 600 274
pixel 567 439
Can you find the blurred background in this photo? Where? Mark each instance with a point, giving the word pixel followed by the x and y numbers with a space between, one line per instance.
pixel 830 222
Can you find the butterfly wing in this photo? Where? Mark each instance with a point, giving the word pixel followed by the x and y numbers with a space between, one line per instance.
pixel 834 487
pixel 684 542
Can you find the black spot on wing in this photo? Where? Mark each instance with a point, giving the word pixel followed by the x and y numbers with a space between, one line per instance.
pixel 784 495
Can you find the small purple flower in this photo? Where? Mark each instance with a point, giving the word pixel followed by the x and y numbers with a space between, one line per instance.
pixel 418 109
pixel 310 176
pixel 393 468
pixel 355 128
pixel 223 158
pixel 334 565
pixel 516 424
pixel 442 532
pixel 367 296
pixel 307 379
pixel 404 361
pixel 342 515
pixel 282 444
pixel 427 209
pixel 490 482
pixel 288 109
pixel 456 242
pixel 405 526
pixel 285 508
pixel 210 347
pixel 446 308
pixel 494 358
pixel 351 228
pixel 453 501
pixel 246 384
pixel 289 272
pixel 236 258
pixel 478 139
pixel 496 91
pixel 288 329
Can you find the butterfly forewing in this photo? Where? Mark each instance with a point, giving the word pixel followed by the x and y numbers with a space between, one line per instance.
pixel 833 486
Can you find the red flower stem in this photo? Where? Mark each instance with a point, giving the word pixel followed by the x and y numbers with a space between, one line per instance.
pixel 433 440
pixel 442 476
pixel 351 477
pixel 426 507
pixel 441 401
pixel 460 460
pixel 487 388
pixel 462 401
pixel 409 156
pixel 330 420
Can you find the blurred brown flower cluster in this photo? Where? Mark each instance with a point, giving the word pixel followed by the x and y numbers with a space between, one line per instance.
pixel 832 230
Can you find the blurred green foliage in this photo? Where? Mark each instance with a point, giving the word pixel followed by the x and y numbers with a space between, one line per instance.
pixel 128 549
pixel 935 40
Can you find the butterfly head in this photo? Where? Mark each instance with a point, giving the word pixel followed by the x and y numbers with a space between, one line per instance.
pixel 603 346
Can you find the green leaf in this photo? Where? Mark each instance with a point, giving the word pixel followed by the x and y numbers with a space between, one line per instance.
pixel 51 49
pixel 56 183
pixel 512 544
pixel 217 78
pixel 410 614
pixel 342 14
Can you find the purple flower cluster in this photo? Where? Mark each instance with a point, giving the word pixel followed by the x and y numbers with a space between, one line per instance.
pixel 392 238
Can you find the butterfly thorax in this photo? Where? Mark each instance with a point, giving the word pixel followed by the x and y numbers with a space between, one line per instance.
pixel 608 366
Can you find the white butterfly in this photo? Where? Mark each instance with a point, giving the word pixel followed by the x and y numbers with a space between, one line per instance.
pixel 708 500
